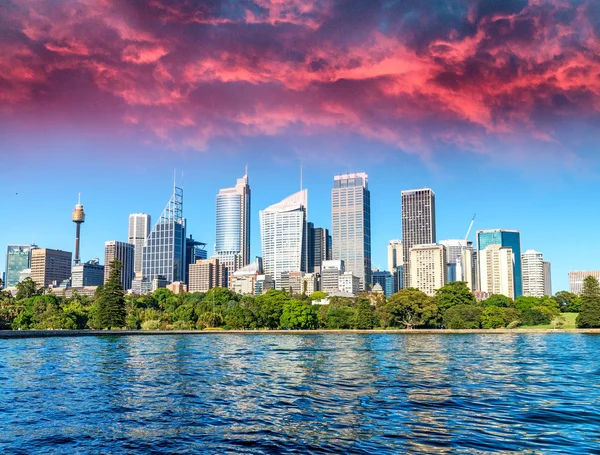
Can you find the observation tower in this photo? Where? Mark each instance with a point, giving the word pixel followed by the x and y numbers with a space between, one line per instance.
pixel 78 219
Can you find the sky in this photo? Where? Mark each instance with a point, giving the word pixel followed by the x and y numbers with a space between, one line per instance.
pixel 494 105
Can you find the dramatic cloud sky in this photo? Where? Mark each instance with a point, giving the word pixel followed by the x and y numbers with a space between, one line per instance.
pixel 494 96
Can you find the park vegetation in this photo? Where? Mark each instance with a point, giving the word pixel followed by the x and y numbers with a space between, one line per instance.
pixel 453 307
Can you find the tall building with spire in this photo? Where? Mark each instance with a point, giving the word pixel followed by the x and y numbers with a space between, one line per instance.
pixel 283 231
pixel 232 246
pixel 164 250
pixel 139 230
pixel 78 218
pixel 351 224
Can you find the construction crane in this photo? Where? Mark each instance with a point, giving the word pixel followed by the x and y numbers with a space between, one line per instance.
pixel 470 227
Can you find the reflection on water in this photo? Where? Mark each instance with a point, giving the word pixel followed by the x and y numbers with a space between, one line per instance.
pixel 321 393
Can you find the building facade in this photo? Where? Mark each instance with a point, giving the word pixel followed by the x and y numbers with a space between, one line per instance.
pixel 349 283
pixel 124 252
pixel 194 251
pixel 547 278
pixel 330 275
pixel 396 262
pixel 139 230
pixel 532 263
pixel 351 224
pixel 428 267
pixel 207 274
pixel 507 239
pixel 86 274
pixel 283 231
pixel 496 270
pixel 243 281
pixel 50 267
pixel 418 224
pixel 232 246
pixel 577 277
pixel 319 247
pixel 462 264
pixel 386 281
pixel 18 258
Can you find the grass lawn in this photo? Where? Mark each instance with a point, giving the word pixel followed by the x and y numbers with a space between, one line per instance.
pixel 569 323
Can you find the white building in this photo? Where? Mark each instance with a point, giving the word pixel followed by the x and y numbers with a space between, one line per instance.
pixel 310 283
pixel 532 266
pixel 139 230
pixel 496 270
pixel 330 275
pixel 428 270
pixel 243 281
pixel 350 283
pixel 283 233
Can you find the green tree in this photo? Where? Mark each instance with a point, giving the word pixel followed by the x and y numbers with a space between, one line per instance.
pixel 27 288
pixel 363 319
pixel 339 317
pixel 589 316
pixel 463 317
pixel 411 308
pixel 568 302
pixel 298 316
pixel 493 317
pixel 267 308
pixel 318 295
pixel 452 294
pixel 537 315
pixel 497 300
pixel 111 301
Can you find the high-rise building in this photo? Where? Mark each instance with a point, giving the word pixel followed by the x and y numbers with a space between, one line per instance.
pixel 18 258
pixel 194 251
pixel 90 273
pixel 207 274
pixel 496 270
pixel 232 247
pixel 164 249
pixel 547 278
pixel 395 255
pixel 504 238
pixel 576 279
pixel 283 229
pixel 428 271
pixel 330 275
pixel 385 280
pixel 457 252
pixel 124 252
pixel 351 224
pixel 50 267
pixel 418 224
pixel 139 230
pixel 532 263
pixel 319 247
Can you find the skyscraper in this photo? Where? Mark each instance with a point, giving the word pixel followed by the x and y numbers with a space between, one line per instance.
pixel 418 224
pixel 496 270
pixel 351 224
pixel 164 249
pixel 49 267
pixel 319 247
pixel 232 247
pixel 547 278
pixel 18 258
pixel 124 252
pixel 504 238
pixel 428 271
pixel 283 230
pixel 533 274
pixel 139 230
pixel 461 261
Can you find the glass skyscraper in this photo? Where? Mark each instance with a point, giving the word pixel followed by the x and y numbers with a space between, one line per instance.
pixel 283 231
pixel 18 258
pixel 164 249
pixel 232 246
pixel 319 247
pixel 139 229
pixel 504 238
pixel 351 224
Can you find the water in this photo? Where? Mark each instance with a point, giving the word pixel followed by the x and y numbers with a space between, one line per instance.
pixel 322 393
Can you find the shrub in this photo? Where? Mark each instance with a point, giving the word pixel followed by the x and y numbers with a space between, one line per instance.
pixel 152 324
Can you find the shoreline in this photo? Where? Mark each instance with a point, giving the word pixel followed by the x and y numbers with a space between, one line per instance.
pixel 8 334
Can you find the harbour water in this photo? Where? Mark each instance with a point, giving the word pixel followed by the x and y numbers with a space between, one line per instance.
pixel 318 393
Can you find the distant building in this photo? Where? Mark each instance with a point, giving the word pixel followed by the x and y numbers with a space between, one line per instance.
pixel 25 273
pixel 87 291
pixel 194 251
pixel 547 278
pixel 396 263
pixel 177 287
pixel 87 274
pixel 124 252
pixel 243 281
pixel 330 276
pixel 319 247
pixel 462 264
pixel 263 284
pixel 385 280
pixel 496 270
pixel 428 267
pixel 207 274
pixel 507 239
pixel 418 225
pixel 50 267
pixel 139 230
pixel 291 282
pixel 349 283
pixel 577 278
pixel 18 258
pixel 351 224
pixel 532 263
pixel 310 283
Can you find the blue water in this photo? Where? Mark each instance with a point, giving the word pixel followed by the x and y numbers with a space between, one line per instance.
pixel 323 393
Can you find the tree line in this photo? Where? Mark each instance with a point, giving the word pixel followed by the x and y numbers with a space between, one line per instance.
pixel 453 307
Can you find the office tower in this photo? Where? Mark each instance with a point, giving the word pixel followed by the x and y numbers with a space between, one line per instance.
pixel 164 249
pixel 577 277
pixel 467 268
pixel 330 275
pixel 349 283
pixel 418 224
pixel 456 251
pixel 283 235
pixel 50 267
pixel 319 247
pixel 124 252
pixel 233 225
pixel 385 280
pixel 194 251
pixel 504 238
pixel 207 274
pixel 18 258
pixel 139 230
pixel 532 263
pixel 78 218
pixel 547 278
pixel 496 270
pixel 428 271
pixel 90 273
pixel 395 255
pixel 351 224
